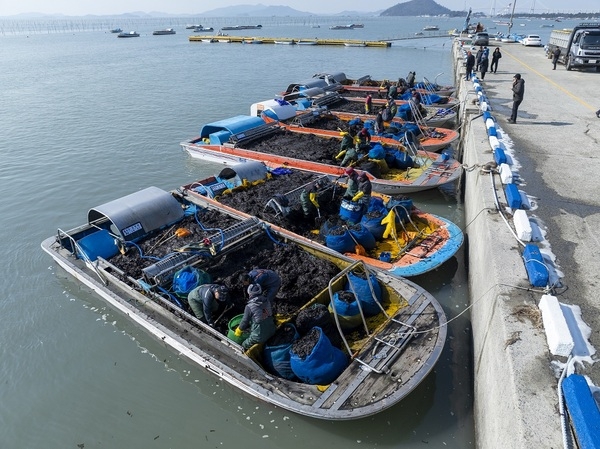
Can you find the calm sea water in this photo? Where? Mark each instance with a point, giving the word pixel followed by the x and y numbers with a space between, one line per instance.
pixel 85 118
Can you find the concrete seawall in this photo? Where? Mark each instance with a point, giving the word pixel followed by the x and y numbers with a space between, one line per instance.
pixel 553 151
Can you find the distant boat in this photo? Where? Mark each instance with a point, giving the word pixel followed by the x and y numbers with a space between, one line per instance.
pixel 355 44
pixel 342 27
pixel 191 27
pixel 203 29
pixel 129 34
pixel 242 27
pixel 307 42
pixel 163 32
pixel 547 26
pixel 316 26
pixel 116 30
pixel 431 28
pixel 286 42
pixel 252 41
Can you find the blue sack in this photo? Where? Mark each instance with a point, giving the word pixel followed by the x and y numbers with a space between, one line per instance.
pixel 363 236
pixel 277 357
pixel 323 365
pixel 348 312
pixel 187 279
pixel 342 243
pixel 363 292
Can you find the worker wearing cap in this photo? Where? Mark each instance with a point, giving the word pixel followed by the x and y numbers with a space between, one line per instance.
pixel 206 300
pixel 258 318
pixel 351 183
pixel 269 281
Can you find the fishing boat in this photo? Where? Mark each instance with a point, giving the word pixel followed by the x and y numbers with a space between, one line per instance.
pixel 355 44
pixel 366 83
pixel 241 138
pixel 242 27
pixel 129 34
pixel 201 29
pixel 431 28
pixel 164 32
pixel 417 243
pixel 116 30
pixel 342 27
pixel 328 123
pixel 284 42
pixel 348 344
pixel 309 42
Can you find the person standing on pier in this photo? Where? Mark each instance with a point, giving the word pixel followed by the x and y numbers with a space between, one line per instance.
pixel 483 65
pixel 496 55
pixel 555 56
pixel 470 63
pixel 518 89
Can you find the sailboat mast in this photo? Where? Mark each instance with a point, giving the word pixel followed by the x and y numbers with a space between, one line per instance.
pixel 510 23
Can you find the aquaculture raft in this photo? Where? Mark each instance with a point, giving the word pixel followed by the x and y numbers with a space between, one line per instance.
pixel 273 40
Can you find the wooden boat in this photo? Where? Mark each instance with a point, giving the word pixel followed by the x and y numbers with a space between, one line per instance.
pixel 129 34
pixel 423 243
pixel 322 122
pixel 367 84
pixel 164 32
pixel 242 138
pixel 129 254
pixel 445 102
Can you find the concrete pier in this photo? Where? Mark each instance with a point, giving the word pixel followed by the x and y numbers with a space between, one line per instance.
pixel 553 153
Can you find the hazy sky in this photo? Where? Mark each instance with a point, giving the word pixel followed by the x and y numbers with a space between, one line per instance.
pixel 103 7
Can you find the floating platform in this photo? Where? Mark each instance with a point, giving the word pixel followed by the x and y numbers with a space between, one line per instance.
pixel 277 40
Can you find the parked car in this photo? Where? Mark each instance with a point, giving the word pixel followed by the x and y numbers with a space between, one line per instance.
pixel 532 40
pixel 481 39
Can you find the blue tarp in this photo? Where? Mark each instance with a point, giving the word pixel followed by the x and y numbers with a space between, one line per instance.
pixel 230 126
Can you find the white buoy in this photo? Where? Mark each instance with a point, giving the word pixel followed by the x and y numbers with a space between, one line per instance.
pixel 560 340
pixel 522 225
pixel 506 173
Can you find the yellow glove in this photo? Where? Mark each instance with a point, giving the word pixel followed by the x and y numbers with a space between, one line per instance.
pixel 313 199
pixel 358 196
pixel 238 332
pixel 340 154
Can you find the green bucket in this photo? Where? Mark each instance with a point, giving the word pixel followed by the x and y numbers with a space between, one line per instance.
pixel 233 324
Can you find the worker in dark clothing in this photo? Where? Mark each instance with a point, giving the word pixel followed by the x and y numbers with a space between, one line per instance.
pixel 496 55
pixel 309 201
pixel 363 138
pixel 258 318
pixel 518 89
pixel 410 79
pixel 393 92
pixel 363 196
pixel 379 124
pixel 470 64
pixel 555 56
pixel 269 281
pixel 483 65
pixel 206 300
pixel 478 56
pixel 347 149
pixel 351 183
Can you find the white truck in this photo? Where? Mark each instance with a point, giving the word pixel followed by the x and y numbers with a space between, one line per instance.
pixel 579 47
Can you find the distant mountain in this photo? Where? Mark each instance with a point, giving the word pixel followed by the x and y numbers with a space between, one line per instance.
pixel 273 11
pixel 258 10
pixel 419 8
pixel 255 11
